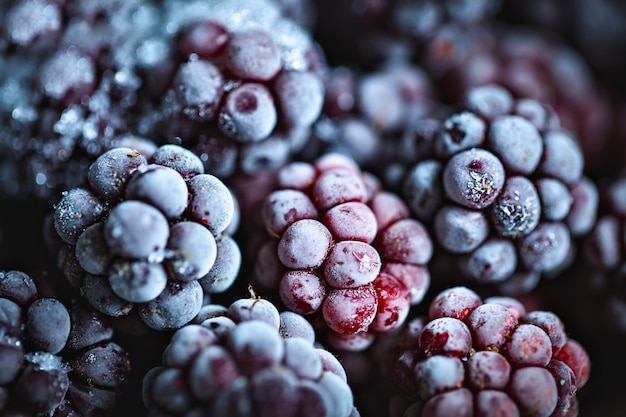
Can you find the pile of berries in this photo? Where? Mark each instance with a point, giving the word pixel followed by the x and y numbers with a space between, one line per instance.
pixel 416 195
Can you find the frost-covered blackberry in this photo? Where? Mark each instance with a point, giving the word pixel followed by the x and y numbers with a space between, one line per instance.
pixel 148 235
pixel 244 90
pixel 74 68
pixel 56 360
pixel 247 359
pixel 505 190
pixel 470 356
pixel 342 250
pixel 216 75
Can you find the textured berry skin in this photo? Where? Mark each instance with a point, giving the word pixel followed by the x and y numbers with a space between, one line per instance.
pixel 50 354
pixel 491 356
pixel 603 256
pixel 169 72
pixel 344 251
pixel 246 357
pixel 501 189
pixel 146 235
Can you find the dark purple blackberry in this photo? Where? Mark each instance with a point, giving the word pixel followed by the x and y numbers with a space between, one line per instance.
pixel 489 357
pixel 342 251
pixel 239 84
pixel 505 189
pixel 595 28
pixel 541 66
pixel 148 235
pixel 601 273
pixel 371 116
pixel 55 360
pixel 247 359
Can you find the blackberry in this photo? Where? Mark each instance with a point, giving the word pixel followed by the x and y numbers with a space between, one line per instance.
pixel 371 115
pixel 78 76
pixel 470 355
pixel 247 359
pixel 491 190
pixel 55 359
pixel 148 236
pixel 343 250
pixel 244 91
pixel 537 65
pixel 70 89
pixel 600 275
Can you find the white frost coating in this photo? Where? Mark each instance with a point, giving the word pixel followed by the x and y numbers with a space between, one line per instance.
pixel 340 393
pixel 293 42
pixel 45 361
pixel 302 358
pixel 29 19
pixel 65 70
pixel 152 51
pixel 438 373
pixel 233 14
pixel 70 122
pixel 481 184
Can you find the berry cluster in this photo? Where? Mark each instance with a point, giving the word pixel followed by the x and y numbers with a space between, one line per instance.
pixel 55 360
pixel 247 359
pixel 366 115
pixel 342 248
pixel 489 357
pixel 149 234
pixel 348 161
pixel 504 189
pixel 238 81
pixel 244 91
pixel 604 254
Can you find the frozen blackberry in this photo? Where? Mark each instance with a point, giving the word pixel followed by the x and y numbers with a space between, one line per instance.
pixel 489 357
pixel 70 88
pixel 77 76
pixel 505 189
pixel 244 90
pixel 148 235
pixel 368 115
pixel 537 65
pixel 247 359
pixel 56 360
pixel 601 275
pixel 342 250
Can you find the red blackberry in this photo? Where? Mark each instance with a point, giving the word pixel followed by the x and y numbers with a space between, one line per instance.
pixel 489 357
pixel 56 360
pixel 342 250
pixel 505 191
pixel 244 360
pixel 148 236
